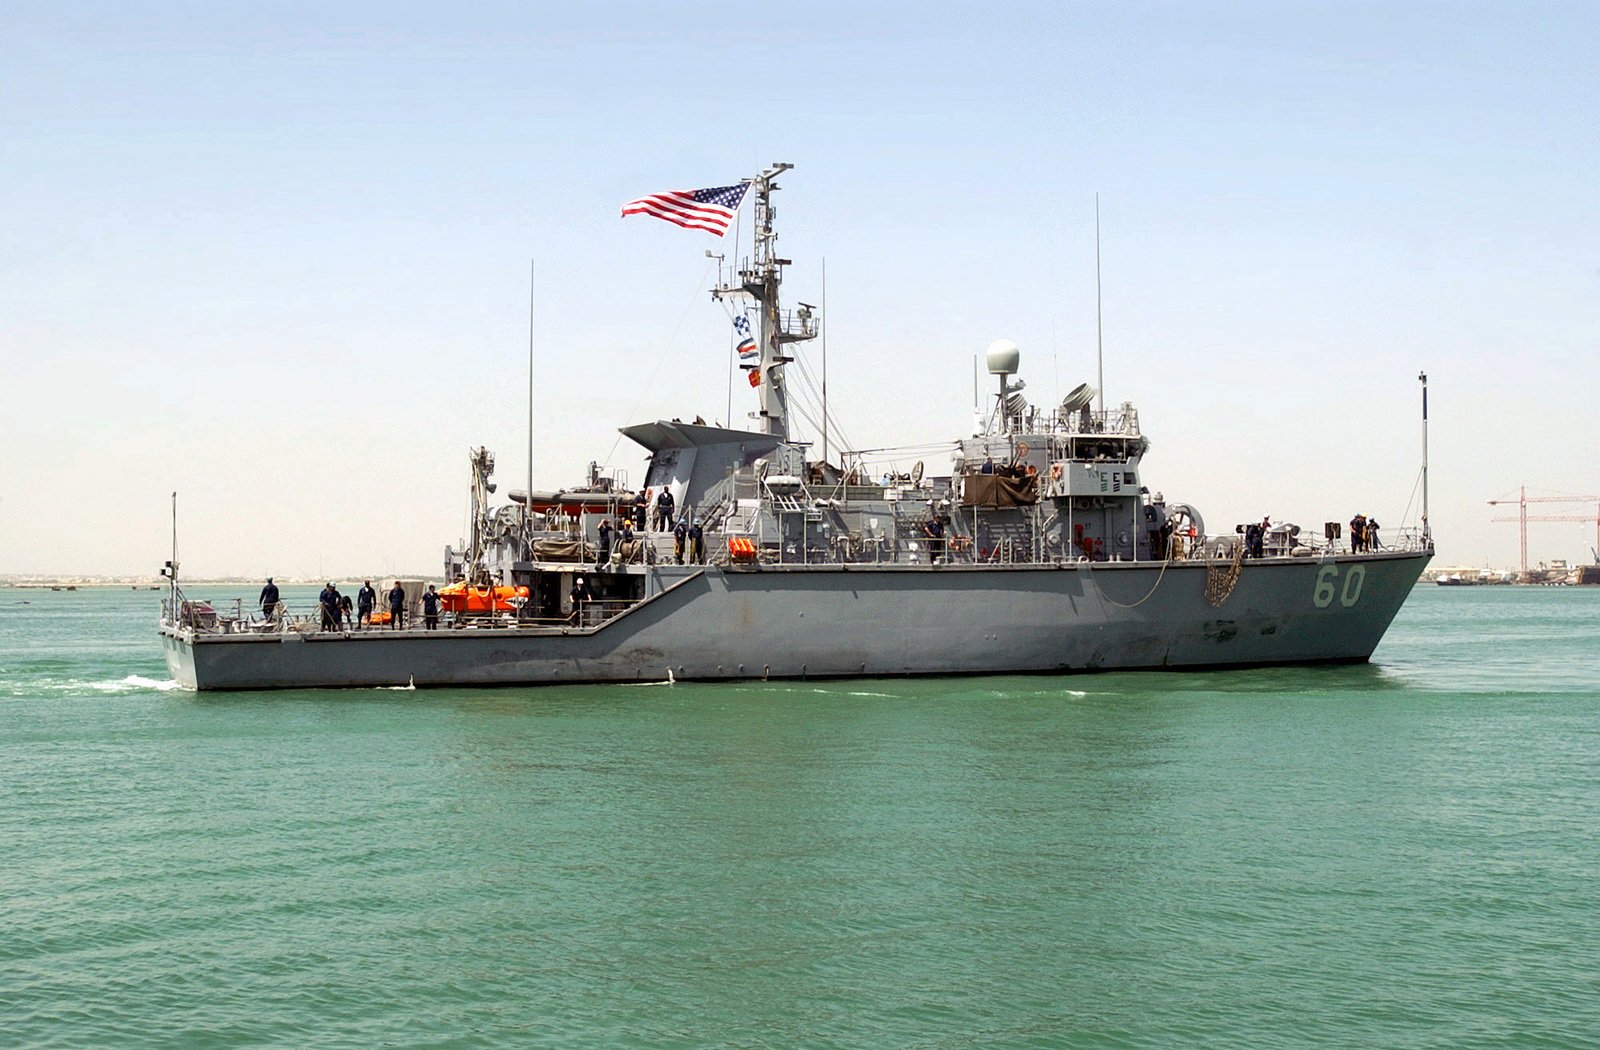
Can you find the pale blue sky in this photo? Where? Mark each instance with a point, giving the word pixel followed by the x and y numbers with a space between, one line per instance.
pixel 277 259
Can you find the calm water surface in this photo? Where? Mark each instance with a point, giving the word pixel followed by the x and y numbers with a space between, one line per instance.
pixel 1401 854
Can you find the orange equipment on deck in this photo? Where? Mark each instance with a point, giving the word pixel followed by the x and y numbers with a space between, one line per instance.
pixel 741 548
pixel 466 598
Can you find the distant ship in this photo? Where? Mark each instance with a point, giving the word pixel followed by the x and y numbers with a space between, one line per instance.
pixel 1041 551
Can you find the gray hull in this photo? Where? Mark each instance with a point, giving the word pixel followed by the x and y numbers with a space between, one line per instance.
pixel 843 621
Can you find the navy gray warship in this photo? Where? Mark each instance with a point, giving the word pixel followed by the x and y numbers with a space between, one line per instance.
pixel 1042 550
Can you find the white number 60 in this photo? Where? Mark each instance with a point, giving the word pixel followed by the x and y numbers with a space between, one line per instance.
pixel 1323 595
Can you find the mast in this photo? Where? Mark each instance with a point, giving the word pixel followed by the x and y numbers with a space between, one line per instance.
pixel 1427 535
pixel 527 505
pixel 760 281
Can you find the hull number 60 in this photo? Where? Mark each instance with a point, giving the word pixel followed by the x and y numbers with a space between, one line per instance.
pixel 1328 586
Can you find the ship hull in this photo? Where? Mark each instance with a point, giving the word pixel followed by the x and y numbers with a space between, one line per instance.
pixel 713 623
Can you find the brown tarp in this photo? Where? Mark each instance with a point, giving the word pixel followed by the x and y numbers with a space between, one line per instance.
pixel 563 550
pixel 998 490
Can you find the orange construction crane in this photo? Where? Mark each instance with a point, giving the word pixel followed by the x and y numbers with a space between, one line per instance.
pixel 1522 501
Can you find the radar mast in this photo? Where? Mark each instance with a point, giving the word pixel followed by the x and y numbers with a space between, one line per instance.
pixel 759 278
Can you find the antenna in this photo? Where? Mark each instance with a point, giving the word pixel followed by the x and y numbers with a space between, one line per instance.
pixel 1055 362
pixel 824 360
pixel 732 363
pixel 527 508
pixel 1099 323
pixel 171 571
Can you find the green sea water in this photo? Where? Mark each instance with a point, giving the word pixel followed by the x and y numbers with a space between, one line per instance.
pixel 1402 854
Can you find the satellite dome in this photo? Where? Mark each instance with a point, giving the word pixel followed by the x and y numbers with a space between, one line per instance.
pixel 1003 357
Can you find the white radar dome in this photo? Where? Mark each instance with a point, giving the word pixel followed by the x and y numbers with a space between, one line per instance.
pixel 1003 357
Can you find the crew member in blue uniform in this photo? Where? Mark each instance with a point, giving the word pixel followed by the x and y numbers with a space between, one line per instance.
pixel 328 600
pixel 269 600
pixel 430 608
pixel 625 541
pixel 366 601
pixel 581 596
pixel 933 530
pixel 697 544
pixel 397 606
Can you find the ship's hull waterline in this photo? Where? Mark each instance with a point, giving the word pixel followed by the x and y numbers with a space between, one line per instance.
pixel 834 621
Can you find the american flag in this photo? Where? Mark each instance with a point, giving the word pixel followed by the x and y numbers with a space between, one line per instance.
pixel 747 345
pixel 709 209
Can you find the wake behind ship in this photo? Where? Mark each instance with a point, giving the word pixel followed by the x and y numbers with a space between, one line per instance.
pixel 743 553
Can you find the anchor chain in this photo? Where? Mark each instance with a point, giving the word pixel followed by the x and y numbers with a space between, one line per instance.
pixel 1220 577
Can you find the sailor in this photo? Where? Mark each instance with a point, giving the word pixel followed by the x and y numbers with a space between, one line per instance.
pixel 345 614
pixel 581 596
pixel 328 601
pixel 664 509
pixel 397 606
pixel 641 502
pixel 625 541
pixel 430 608
pixel 680 535
pixel 269 600
pixel 988 465
pixel 1261 543
pixel 366 601
pixel 1358 527
pixel 933 529
pixel 605 543
pixel 697 544
pixel 1372 534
